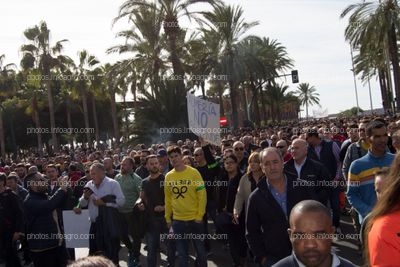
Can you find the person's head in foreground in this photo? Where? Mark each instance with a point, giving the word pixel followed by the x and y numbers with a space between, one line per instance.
pixel 311 233
pixel 92 261
pixel 381 234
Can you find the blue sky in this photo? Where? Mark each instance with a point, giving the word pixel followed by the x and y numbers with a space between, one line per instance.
pixel 311 30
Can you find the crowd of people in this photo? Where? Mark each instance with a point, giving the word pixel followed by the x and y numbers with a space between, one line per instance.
pixel 274 196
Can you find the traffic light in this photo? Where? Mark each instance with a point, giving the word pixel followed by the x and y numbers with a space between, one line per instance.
pixel 295 76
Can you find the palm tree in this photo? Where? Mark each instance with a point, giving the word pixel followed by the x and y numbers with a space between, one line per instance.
pixel 86 64
pixel 373 28
pixel 307 95
pixel 145 42
pixel 30 90
pixel 7 88
pixel 171 11
pixel 41 55
pixel 263 59
pixel 230 32
pixel 111 91
pixel 163 109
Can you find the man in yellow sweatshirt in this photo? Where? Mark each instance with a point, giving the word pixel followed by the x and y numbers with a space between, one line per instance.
pixel 185 204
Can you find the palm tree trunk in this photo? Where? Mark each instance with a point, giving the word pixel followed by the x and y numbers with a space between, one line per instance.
pixel 203 89
pixel 2 141
pixel 86 117
pixel 36 118
pixel 384 90
pixel 243 99
pixel 255 103
pixel 52 112
pixel 126 119
pixel 172 33
pixel 220 96
pixel 234 111
pixel 306 110
pixel 96 122
pixel 69 121
pixel 394 55
pixel 264 106
pixel 114 115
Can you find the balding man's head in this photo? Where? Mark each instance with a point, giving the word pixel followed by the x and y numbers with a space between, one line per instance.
pixel 238 148
pixel 299 149
pixel 282 146
pixel 309 206
pixel 311 233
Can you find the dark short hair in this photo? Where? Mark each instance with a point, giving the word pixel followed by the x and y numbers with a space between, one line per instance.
pixel 264 144
pixel 311 133
pixel 131 160
pixel 309 206
pixel 374 125
pixel 174 149
pixel 232 157
pixel 3 178
pixel 51 166
pixel 150 157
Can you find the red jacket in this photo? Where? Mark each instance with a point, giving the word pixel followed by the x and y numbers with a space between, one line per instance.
pixel 384 241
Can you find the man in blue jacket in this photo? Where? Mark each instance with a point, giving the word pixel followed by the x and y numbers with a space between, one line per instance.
pixel 361 190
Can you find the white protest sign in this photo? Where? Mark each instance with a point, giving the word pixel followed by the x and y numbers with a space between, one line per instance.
pixel 204 119
pixel 76 229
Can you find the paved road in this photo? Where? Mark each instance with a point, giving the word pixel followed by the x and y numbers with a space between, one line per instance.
pixel 220 257
pixel 346 248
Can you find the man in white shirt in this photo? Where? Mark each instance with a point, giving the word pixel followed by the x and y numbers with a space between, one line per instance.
pixel 101 191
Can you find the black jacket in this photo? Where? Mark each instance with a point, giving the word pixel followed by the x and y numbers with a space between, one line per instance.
pixel 316 174
pixel 209 173
pixel 326 157
pixel 11 216
pixel 266 224
pixel 290 261
pixel 41 226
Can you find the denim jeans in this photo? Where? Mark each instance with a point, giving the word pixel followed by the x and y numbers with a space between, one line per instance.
pixel 184 232
pixel 236 236
pixel 156 227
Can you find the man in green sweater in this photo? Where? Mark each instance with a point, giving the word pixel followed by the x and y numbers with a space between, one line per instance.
pixel 130 184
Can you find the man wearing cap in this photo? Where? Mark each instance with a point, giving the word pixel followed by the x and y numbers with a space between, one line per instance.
pixel 164 161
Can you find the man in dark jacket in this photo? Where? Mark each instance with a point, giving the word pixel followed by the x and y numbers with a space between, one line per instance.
pixel 327 153
pixel 314 173
pixel 209 170
pixel 269 207
pixel 311 234
pixel 43 231
pixel 11 223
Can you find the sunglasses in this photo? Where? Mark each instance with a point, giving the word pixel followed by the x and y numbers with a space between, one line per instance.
pixel 196 155
pixel 280 147
pixel 239 148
